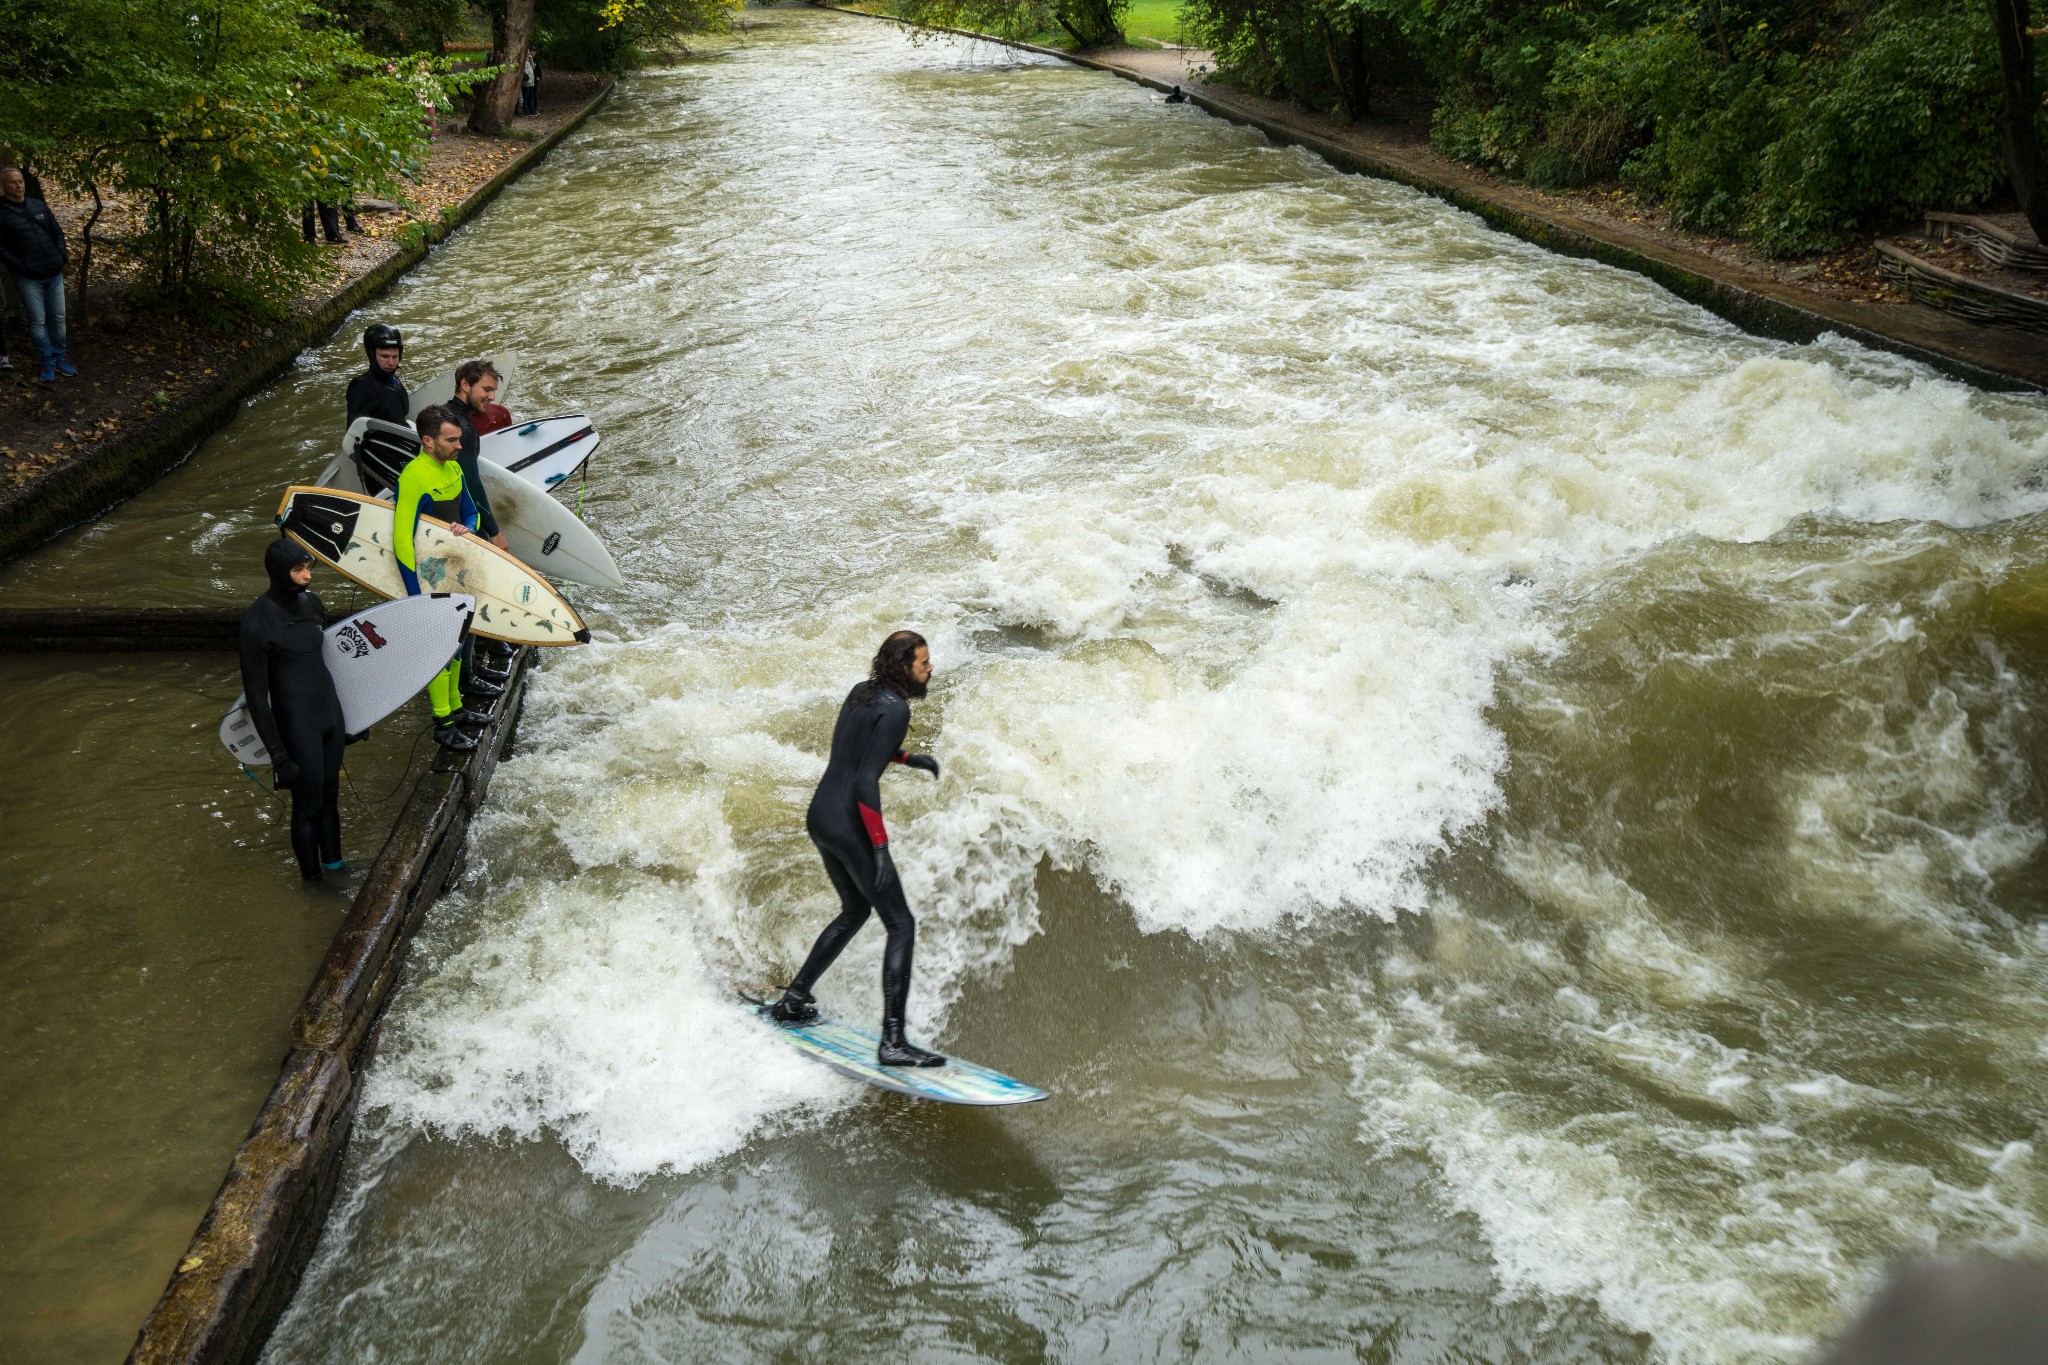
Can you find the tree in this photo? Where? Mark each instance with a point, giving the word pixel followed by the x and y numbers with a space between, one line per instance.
pixel 494 103
pixel 1090 23
pixel 2019 132
pixel 221 117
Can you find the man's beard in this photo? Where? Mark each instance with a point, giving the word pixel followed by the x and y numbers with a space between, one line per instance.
pixel 911 688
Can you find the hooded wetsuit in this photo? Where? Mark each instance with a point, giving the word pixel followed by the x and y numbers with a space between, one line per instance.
pixel 431 487
pixel 845 822
pixel 290 696
pixel 374 393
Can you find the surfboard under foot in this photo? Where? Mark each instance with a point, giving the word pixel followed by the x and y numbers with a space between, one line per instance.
pixel 851 1052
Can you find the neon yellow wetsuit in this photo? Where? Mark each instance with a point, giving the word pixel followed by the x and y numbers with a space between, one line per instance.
pixel 434 488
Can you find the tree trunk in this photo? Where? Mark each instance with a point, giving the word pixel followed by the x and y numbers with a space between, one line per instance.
pixel 85 256
pixel 1091 22
pixel 494 104
pixel 2018 132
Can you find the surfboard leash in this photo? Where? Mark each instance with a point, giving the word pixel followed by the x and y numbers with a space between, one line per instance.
pixel 410 755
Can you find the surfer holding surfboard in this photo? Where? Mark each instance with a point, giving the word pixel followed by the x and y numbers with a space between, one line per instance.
pixel 377 392
pixel 432 482
pixel 845 822
pixel 290 696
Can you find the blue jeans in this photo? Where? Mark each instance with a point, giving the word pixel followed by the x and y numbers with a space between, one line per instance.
pixel 42 307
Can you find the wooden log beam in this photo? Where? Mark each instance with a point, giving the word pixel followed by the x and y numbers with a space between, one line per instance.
pixel 242 1265
pixel 114 629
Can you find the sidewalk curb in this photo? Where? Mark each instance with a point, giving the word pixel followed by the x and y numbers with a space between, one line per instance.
pixel 95 479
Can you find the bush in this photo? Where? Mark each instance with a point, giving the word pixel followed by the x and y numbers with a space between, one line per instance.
pixel 1794 122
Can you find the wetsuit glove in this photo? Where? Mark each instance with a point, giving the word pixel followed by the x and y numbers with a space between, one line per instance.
pixel 356 738
pixel 885 868
pixel 925 762
pixel 285 772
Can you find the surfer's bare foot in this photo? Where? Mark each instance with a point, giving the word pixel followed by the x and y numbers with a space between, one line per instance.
pixel 896 1051
pixel 794 1007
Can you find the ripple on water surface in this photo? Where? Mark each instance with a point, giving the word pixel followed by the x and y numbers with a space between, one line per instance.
pixel 1504 808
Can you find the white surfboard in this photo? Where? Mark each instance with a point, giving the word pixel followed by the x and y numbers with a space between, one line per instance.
pixel 352 534
pixel 851 1052
pixel 542 533
pixel 379 659
pixel 547 451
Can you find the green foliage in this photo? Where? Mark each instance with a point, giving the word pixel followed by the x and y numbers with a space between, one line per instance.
pixel 221 117
pixel 397 27
pixel 1325 54
pixel 1086 23
pixel 614 35
pixel 1796 123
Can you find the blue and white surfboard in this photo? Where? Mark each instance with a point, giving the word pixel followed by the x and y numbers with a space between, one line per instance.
pixel 851 1052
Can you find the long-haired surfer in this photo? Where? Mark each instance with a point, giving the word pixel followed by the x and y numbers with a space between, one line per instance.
pixel 291 698
pixel 845 822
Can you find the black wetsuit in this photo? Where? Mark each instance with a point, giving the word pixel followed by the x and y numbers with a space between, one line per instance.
pixel 465 415
pixel 374 393
pixel 291 698
pixel 845 822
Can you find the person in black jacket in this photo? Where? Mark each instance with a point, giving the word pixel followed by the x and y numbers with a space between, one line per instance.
pixel 32 250
pixel 845 822
pixel 291 699
pixel 377 392
pixel 476 391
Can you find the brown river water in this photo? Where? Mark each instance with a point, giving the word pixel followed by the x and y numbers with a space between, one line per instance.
pixel 1507 812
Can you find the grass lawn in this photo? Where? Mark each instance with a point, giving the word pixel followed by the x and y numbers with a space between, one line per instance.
pixel 1158 20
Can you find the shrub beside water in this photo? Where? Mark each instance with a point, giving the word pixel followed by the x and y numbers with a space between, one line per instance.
pixel 1796 125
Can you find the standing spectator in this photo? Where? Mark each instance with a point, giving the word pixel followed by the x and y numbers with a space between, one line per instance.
pixel 529 86
pixel 32 251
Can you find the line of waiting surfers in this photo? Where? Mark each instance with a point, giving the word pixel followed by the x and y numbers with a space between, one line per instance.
pixel 292 701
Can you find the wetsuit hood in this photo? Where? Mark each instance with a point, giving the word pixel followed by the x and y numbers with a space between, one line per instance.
pixel 279 560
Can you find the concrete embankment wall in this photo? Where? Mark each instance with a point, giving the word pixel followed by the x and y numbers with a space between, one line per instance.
pixel 1977 356
pixel 96 479
pixel 245 1261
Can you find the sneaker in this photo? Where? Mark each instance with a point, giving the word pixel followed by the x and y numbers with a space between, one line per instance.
pixel 65 368
pixel 48 374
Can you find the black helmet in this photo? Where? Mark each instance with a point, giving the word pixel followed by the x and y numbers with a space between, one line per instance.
pixel 380 335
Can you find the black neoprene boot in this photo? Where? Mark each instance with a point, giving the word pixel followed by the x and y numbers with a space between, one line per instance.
pixel 794 1007
pixel 895 1051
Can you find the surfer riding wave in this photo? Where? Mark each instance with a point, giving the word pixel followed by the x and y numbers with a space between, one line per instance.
pixel 845 822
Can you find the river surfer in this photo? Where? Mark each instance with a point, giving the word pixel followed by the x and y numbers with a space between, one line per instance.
pixel 845 822
pixel 432 484
pixel 290 697
pixel 476 393
pixel 377 391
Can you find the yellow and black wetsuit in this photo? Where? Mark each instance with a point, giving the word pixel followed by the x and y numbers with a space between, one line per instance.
pixel 431 487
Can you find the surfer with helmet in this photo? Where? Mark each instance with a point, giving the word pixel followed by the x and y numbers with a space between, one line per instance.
pixel 845 822
pixel 291 699
pixel 377 392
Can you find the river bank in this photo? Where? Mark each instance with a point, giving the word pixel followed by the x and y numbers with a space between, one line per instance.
pixel 151 387
pixel 1796 300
